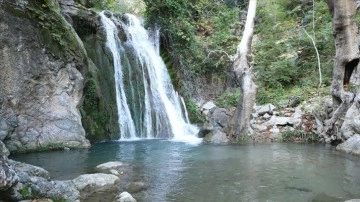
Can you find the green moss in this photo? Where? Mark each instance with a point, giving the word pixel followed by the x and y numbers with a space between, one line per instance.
pixel 55 33
pixel 26 192
pixel 93 109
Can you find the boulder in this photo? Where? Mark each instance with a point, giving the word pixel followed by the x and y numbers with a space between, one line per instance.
pixel 29 170
pixel 216 136
pixel 263 109
pixel 207 107
pixel 125 197
pixel 88 184
pixel 217 118
pixel 259 127
pixel 34 181
pixel 294 101
pixel 58 190
pixel 352 145
pixel 266 116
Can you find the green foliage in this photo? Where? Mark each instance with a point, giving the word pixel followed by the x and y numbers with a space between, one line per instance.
pixel 195 31
pixel 194 115
pixel 228 99
pixel 298 136
pixel 287 59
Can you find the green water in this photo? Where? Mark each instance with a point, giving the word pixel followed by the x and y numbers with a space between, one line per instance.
pixel 181 172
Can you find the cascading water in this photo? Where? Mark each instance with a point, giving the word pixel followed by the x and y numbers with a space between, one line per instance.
pixel 148 106
pixel 127 126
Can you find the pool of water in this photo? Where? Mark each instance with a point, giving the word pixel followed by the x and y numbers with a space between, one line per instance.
pixel 176 171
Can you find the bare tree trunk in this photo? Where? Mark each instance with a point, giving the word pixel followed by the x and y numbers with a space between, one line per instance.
pixel 346 60
pixel 240 122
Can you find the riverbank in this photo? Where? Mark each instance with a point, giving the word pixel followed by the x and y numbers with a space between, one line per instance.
pixel 286 121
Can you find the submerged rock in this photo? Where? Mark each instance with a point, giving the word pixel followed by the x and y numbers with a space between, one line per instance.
pixel 352 145
pixel 113 167
pixel 135 187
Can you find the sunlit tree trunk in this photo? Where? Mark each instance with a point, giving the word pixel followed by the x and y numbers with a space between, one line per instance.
pixel 346 60
pixel 240 122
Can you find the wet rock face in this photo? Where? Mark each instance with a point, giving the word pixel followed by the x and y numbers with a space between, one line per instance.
pixel 39 93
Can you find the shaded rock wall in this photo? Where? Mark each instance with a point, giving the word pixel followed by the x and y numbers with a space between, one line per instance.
pixel 99 109
pixel 41 81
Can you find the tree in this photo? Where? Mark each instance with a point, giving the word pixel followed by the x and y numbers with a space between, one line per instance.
pixel 346 60
pixel 240 122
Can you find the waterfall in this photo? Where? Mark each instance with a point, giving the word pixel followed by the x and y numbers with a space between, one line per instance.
pixel 127 126
pixel 148 105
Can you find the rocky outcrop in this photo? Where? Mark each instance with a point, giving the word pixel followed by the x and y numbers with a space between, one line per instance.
pixel 352 145
pixel 216 123
pixel 8 177
pixel 41 77
pixel 31 182
pixel 351 124
pixel 99 109
pixel 34 182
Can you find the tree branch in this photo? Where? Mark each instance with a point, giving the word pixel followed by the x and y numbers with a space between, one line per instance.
pixel 318 58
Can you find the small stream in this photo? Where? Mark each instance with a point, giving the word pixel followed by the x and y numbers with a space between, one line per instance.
pixel 176 171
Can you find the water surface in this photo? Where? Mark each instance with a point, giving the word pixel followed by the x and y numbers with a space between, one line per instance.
pixel 178 171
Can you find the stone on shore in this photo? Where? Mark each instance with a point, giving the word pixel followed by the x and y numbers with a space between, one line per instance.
pixel 352 145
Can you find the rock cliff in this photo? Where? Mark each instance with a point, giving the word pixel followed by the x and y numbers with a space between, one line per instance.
pixel 49 87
